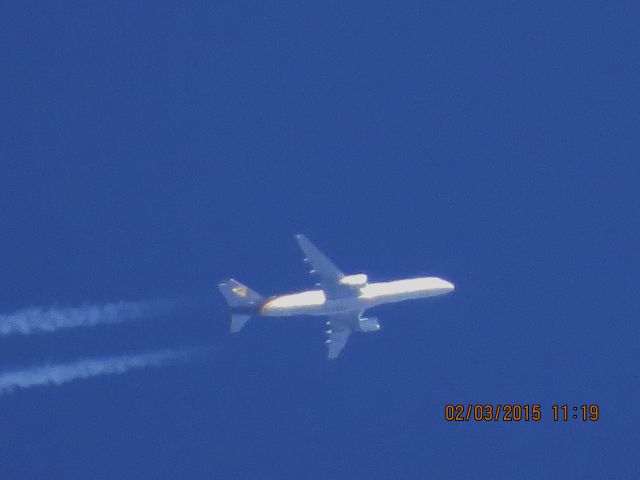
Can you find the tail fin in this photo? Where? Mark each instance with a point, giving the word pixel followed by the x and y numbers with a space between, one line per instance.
pixel 239 297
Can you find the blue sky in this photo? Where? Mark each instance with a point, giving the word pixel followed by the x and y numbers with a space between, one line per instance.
pixel 149 150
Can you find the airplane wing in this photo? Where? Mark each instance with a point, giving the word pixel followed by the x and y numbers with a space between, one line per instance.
pixel 339 329
pixel 327 273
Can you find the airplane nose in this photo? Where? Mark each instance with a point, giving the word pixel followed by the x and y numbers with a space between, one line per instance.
pixel 450 287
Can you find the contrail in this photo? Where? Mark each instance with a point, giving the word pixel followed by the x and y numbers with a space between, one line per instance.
pixel 90 367
pixel 39 319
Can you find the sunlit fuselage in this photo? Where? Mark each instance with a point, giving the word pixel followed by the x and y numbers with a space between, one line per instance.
pixel 314 302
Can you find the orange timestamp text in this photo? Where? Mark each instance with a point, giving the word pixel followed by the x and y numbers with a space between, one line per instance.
pixel 516 412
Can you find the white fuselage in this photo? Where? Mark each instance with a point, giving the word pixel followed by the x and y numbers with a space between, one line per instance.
pixel 315 302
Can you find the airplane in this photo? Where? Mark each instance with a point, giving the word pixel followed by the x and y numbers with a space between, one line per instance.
pixel 341 298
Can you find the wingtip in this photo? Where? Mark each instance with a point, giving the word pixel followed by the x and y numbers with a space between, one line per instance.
pixel 301 239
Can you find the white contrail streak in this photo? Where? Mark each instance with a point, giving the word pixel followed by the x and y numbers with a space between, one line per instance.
pixel 89 367
pixel 39 319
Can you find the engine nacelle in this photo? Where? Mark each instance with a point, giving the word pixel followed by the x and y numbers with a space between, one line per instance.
pixel 369 325
pixel 358 280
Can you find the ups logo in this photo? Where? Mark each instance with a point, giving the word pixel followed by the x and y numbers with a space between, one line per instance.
pixel 240 291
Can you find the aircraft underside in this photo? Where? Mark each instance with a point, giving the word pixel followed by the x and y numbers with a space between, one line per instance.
pixel 341 298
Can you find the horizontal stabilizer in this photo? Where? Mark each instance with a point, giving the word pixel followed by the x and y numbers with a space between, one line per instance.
pixel 238 321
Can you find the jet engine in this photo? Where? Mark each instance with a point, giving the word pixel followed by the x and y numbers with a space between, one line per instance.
pixel 358 280
pixel 367 325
